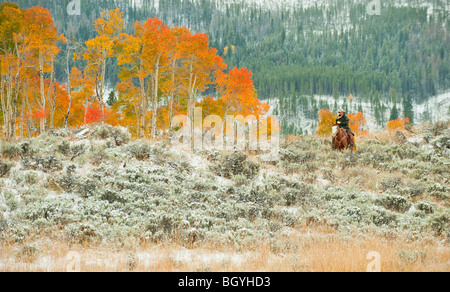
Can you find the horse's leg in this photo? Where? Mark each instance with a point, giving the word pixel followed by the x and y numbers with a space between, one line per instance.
pixel 350 138
pixel 344 141
pixel 338 140
pixel 341 144
pixel 350 143
pixel 353 142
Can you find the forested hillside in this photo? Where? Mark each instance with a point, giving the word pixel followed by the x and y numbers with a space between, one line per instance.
pixel 333 48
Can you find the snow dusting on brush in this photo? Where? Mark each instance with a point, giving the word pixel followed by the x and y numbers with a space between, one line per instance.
pixel 92 189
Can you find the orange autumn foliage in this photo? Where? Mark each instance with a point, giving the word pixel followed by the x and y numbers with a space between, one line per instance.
pixel 163 73
pixel 40 36
pixel 82 91
pixel 211 106
pixel 102 47
pixel 94 114
pixel 61 102
pixel 239 93
pixel 38 114
pixel 200 63
pixel 356 122
pixel 397 124
pixel 238 99
pixel 326 120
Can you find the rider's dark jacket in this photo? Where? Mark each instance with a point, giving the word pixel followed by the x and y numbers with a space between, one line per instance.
pixel 343 122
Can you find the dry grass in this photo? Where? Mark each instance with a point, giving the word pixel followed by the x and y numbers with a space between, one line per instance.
pixel 298 250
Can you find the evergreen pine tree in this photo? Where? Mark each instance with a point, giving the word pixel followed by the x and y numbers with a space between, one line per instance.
pixel 408 108
pixel 111 98
pixel 394 113
pixel 377 114
pixel 360 108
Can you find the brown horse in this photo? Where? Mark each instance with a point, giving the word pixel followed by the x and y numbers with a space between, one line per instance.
pixel 339 138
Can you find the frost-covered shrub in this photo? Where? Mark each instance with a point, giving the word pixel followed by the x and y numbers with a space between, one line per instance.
pixel 390 183
pixel 288 218
pixel 438 191
pixel 393 202
pixel 442 144
pixel 292 191
pixel 77 150
pixel 11 199
pixel 86 187
pixel 440 223
pixel 295 160
pixel 330 194
pixel 97 156
pixel 28 177
pixel 296 156
pixel 162 224
pixel 235 163
pixel 354 213
pixel 27 253
pixel 407 257
pixel 31 178
pixel 48 163
pixel 240 179
pixel 10 150
pixel 81 232
pixel 64 147
pixel 55 210
pixel 413 190
pixel 139 150
pixel 290 195
pixel 300 193
pixel 161 155
pixel 426 207
pixel 68 181
pixel 437 128
pixel 374 155
pixel 119 134
pixel 16 232
pixel 3 223
pixel 27 162
pixel 26 149
pixel 405 151
pixel 380 216
pixel 4 168
pixel 112 196
pixel 328 175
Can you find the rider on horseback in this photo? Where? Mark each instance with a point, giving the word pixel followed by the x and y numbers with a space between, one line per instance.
pixel 342 121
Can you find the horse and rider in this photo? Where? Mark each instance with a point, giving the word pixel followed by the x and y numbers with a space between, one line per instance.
pixel 343 137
